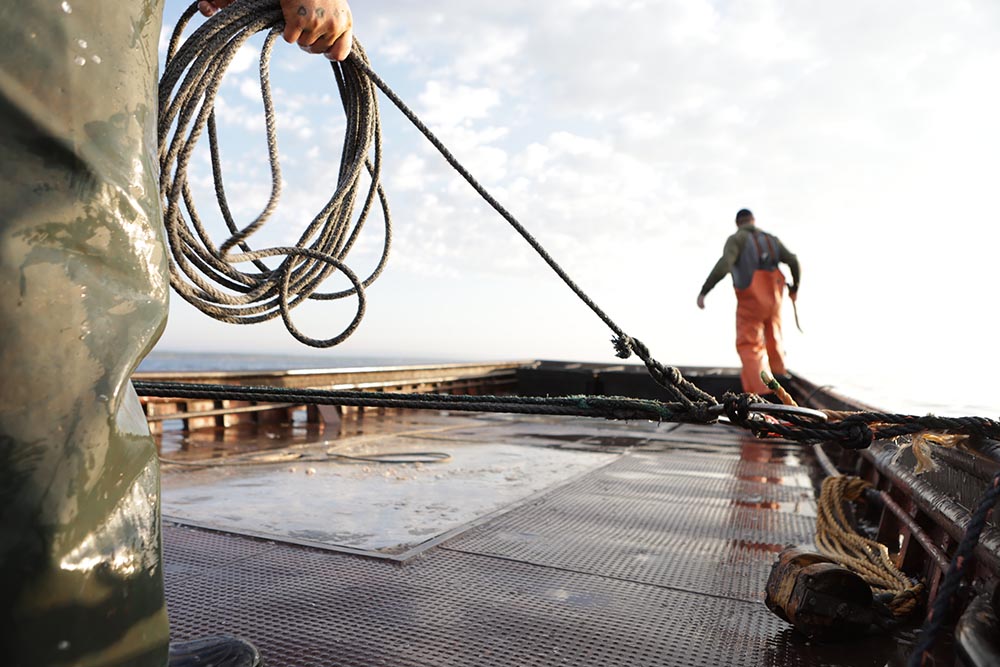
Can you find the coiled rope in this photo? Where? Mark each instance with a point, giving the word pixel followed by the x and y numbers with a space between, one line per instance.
pixel 188 88
pixel 837 539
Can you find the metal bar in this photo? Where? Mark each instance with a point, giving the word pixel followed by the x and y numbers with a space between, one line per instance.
pixel 825 462
pixel 918 533
pixel 944 511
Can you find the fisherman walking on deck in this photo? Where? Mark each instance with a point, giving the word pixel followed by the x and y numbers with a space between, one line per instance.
pixel 752 257
pixel 83 297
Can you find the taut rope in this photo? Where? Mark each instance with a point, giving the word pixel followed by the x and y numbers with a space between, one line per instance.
pixel 191 78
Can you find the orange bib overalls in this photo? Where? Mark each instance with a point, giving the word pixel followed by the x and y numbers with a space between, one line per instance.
pixel 758 316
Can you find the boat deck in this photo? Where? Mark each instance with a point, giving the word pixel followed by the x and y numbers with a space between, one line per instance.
pixel 655 550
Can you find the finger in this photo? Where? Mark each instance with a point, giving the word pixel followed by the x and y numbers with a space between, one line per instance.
pixel 323 43
pixel 206 8
pixel 342 47
pixel 306 38
pixel 292 32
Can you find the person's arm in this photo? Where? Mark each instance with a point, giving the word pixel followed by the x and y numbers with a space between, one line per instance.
pixel 730 254
pixel 789 258
pixel 317 26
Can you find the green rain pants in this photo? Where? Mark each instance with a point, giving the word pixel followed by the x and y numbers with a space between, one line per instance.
pixel 83 296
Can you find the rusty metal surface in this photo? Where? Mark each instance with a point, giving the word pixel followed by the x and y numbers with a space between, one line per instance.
pixel 659 558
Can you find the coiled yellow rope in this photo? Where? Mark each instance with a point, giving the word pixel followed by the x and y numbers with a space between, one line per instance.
pixel 870 559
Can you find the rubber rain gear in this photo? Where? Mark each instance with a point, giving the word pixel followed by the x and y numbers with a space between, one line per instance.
pixel 83 296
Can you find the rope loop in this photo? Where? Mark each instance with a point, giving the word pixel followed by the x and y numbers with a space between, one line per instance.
pixel 232 282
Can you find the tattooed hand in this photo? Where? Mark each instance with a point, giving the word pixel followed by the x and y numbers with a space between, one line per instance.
pixel 317 26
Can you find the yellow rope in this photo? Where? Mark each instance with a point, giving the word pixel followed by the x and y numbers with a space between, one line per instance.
pixel 871 560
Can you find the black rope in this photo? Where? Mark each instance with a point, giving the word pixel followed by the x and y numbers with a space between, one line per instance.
pixel 192 75
pixel 856 430
pixel 608 407
pixel 953 578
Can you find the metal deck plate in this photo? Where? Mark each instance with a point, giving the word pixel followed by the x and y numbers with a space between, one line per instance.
pixel 374 507
pixel 657 559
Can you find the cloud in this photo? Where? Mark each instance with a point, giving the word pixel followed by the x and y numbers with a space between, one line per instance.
pixel 624 137
pixel 246 57
pixel 448 105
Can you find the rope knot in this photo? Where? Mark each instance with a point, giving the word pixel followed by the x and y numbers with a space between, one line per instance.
pixel 737 407
pixel 856 435
pixel 669 373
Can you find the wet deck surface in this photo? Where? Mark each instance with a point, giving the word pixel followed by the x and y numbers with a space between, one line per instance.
pixel 651 547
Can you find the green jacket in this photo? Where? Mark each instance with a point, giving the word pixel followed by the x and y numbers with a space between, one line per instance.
pixel 733 251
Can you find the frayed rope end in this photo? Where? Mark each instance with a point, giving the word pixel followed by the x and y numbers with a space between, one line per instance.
pixel 623 347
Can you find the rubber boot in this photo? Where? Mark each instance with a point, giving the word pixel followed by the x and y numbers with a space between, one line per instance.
pixel 222 651
pixel 83 296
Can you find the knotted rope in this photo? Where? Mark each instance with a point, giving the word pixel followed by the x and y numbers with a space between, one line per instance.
pixel 853 430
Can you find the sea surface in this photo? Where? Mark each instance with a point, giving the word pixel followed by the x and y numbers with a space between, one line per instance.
pixel 966 395
pixel 159 361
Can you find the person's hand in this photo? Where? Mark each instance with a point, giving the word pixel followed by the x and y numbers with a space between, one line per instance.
pixel 319 26
pixel 701 301
pixel 209 7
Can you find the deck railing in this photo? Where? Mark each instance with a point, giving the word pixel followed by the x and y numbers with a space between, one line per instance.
pixel 470 378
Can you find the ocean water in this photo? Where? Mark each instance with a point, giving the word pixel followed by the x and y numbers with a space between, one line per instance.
pixel 890 391
pixel 160 361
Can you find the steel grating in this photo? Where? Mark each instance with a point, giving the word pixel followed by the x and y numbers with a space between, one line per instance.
pixel 631 520
pixel 643 562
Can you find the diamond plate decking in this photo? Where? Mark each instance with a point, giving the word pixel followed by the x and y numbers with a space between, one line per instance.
pixel 658 558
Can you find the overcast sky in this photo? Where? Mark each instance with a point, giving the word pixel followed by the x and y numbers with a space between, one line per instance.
pixel 625 136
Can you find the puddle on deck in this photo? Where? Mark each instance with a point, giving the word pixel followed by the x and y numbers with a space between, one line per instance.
pixel 355 504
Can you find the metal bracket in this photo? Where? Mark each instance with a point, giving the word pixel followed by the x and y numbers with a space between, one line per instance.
pixel 776 409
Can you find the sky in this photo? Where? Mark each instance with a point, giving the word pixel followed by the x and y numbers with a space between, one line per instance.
pixel 625 137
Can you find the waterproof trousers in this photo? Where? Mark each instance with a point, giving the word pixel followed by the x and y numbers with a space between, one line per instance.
pixel 83 296
pixel 758 329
